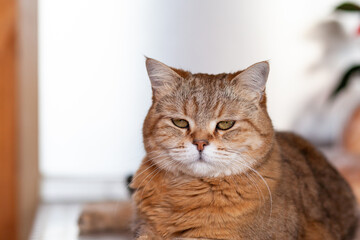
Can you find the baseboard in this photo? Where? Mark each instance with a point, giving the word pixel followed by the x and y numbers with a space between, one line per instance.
pixel 75 190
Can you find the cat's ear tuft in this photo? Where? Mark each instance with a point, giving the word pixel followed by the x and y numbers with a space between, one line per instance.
pixel 162 77
pixel 254 78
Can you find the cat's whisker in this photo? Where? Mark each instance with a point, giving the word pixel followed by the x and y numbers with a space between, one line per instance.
pixel 250 178
pixel 243 163
pixel 258 190
pixel 254 184
pixel 221 153
pixel 152 165
pixel 265 182
pixel 267 185
pixel 157 171
pixel 139 174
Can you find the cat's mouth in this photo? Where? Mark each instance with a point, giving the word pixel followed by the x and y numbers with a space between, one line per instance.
pixel 201 158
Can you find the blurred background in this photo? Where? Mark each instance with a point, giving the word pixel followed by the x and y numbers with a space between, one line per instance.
pixel 74 90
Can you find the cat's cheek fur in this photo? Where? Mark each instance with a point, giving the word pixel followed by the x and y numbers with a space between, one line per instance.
pixel 250 143
pixel 186 155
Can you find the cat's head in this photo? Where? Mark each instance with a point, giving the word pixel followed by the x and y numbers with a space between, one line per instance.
pixel 207 125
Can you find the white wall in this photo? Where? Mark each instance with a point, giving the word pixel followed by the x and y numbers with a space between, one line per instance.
pixel 94 92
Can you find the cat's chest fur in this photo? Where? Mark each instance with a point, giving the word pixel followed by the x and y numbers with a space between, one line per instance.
pixel 217 208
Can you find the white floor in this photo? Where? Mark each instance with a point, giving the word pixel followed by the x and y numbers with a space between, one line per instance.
pixel 59 222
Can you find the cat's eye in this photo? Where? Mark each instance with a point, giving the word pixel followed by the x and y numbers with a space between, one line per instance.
pixel 181 123
pixel 225 125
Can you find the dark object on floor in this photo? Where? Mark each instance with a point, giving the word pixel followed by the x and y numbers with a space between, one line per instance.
pixel 128 181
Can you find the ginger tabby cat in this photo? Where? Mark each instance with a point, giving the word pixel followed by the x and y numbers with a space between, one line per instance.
pixel 216 169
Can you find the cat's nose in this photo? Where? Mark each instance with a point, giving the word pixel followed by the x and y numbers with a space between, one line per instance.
pixel 200 144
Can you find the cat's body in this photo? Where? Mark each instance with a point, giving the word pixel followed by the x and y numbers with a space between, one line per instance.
pixel 216 169
pixel 314 202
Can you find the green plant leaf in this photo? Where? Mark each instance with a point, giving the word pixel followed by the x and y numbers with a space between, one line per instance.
pixel 344 82
pixel 348 6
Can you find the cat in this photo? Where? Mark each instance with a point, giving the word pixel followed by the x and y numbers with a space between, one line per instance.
pixel 215 168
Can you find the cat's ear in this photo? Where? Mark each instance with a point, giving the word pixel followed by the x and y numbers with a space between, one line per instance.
pixel 162 77
pixel 253 79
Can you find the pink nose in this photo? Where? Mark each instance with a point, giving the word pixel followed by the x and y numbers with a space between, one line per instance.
pixel 200 144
